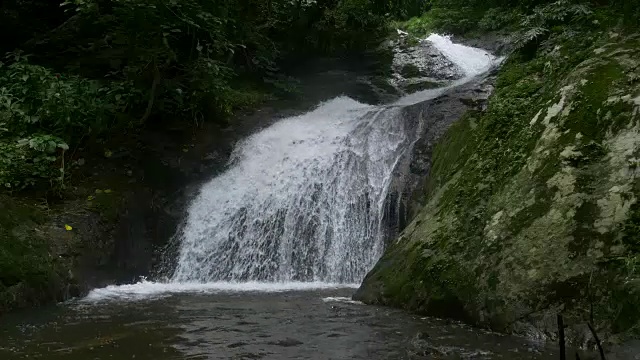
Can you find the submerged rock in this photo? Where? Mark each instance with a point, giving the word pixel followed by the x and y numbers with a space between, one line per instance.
pixel 531 207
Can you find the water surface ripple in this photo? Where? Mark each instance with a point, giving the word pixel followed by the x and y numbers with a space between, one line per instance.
pixel 316 324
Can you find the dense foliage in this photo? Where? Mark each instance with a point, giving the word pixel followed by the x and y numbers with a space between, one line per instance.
pixel 85 69
pixel 462 16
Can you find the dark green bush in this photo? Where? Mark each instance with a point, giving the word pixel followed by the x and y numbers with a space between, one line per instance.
pixel 41 113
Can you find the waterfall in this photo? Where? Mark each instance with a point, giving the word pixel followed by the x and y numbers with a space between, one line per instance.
pixel 472 61
pixel 303 201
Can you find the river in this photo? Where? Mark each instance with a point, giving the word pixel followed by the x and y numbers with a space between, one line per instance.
pixel 303 324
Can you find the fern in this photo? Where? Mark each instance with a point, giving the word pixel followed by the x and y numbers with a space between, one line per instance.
pixel 528 36
pixel 535 26
pixel 557 12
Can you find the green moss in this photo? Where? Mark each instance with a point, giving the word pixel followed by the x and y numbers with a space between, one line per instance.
pixel 410 71
pixel 108 204
pixel 531 205
pixel 406 288
pixel 383 84
pixel 631 229
pixel 584 117
pixel 525 218
pixel 515 71
pixel 418 26
pixel 627 301
pixel 619 116
pixel 453 150
pixel 29 274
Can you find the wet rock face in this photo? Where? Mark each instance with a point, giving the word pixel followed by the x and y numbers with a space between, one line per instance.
pixel 531 206
pixel 420 66
pixel 431 119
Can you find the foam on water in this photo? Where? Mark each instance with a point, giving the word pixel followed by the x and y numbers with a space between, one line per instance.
pixel 472 61
pixel 302 203
pixel 342 299
pixel 150 290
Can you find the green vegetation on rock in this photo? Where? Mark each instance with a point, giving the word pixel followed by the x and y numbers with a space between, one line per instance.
pixel 532 205
pixel 31 272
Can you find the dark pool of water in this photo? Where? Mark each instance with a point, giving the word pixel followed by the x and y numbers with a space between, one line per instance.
pixel 291 325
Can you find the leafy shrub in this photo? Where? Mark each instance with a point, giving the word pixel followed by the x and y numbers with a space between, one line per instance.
pixel 455 20
pixel 30 161
pixel 538 25
pixel 41 113
pixel 556 13
pixel 419 26
pixel 352 24
pixel 120 64
pixel 33 99
pixel 498 18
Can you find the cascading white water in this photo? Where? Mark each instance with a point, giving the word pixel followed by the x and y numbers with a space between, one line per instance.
pixel 303 200
pixel 472 61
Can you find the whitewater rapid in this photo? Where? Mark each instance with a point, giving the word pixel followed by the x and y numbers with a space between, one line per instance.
pixel 303 202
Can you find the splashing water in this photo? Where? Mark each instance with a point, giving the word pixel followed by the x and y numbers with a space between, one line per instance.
pixel 472 61
pixel 153 290
pixel 302 204
pixel 303 200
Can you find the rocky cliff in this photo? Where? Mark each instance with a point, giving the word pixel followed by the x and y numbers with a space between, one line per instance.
pixel 531 206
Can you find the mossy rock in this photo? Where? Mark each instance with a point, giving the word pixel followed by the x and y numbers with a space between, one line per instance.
pixel 383 84
pixel 409 71
pixel 533 205
pixel 30 273
pixel 421 85
pixel 16 240
pixel 107 203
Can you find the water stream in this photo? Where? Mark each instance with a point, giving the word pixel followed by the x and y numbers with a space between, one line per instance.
pixel 302 201
pixel 270 253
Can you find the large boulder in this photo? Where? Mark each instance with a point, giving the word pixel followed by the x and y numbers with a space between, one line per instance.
pixel 532 205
